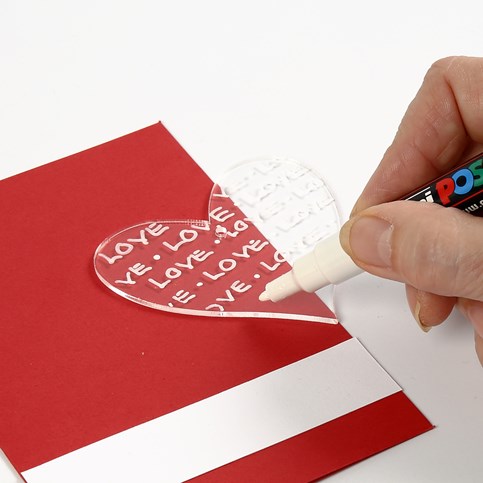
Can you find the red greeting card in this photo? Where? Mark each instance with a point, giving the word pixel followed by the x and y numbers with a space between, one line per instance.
pixel 81 364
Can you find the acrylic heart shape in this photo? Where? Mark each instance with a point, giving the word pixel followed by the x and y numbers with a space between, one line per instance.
pixel 262 215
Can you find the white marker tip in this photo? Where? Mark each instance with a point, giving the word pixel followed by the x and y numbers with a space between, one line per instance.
pixel 264 297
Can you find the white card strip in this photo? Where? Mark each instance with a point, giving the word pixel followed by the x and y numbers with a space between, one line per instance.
pixel 230 425
pixel 8 474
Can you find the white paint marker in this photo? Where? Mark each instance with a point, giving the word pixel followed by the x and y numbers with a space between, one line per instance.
pixel 329 264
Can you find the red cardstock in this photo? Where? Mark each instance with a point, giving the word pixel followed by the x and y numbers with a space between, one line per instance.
pixel 79 363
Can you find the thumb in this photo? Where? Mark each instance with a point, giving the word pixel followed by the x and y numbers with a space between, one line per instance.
pixel 432 248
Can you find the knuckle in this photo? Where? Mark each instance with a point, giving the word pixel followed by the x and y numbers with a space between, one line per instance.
pixel 469 274
pixel 464 75
pixel 438 259
pixel 456 68
pixel 446 62
pixel 444 65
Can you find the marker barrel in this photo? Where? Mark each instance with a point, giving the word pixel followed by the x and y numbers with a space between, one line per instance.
pixel 460 188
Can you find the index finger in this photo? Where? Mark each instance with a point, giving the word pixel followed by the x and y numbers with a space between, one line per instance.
pixel 443 121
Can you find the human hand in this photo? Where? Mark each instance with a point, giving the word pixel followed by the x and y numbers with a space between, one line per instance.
pixel 435 251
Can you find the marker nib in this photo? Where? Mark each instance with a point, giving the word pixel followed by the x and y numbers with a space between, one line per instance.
pixel 264 297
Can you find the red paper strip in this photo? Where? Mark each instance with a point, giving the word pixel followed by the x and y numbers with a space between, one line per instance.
pixel 330 447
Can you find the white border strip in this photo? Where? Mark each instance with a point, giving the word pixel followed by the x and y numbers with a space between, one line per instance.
pixel 230 425
pixel 8 474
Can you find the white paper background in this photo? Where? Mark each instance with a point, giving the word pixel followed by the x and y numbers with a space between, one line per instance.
pixel 323 82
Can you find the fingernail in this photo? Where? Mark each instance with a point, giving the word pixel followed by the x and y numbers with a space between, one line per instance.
pixel 417 316
pixel 370 240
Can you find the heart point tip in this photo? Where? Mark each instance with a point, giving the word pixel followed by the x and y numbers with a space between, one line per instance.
pixel 264 297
